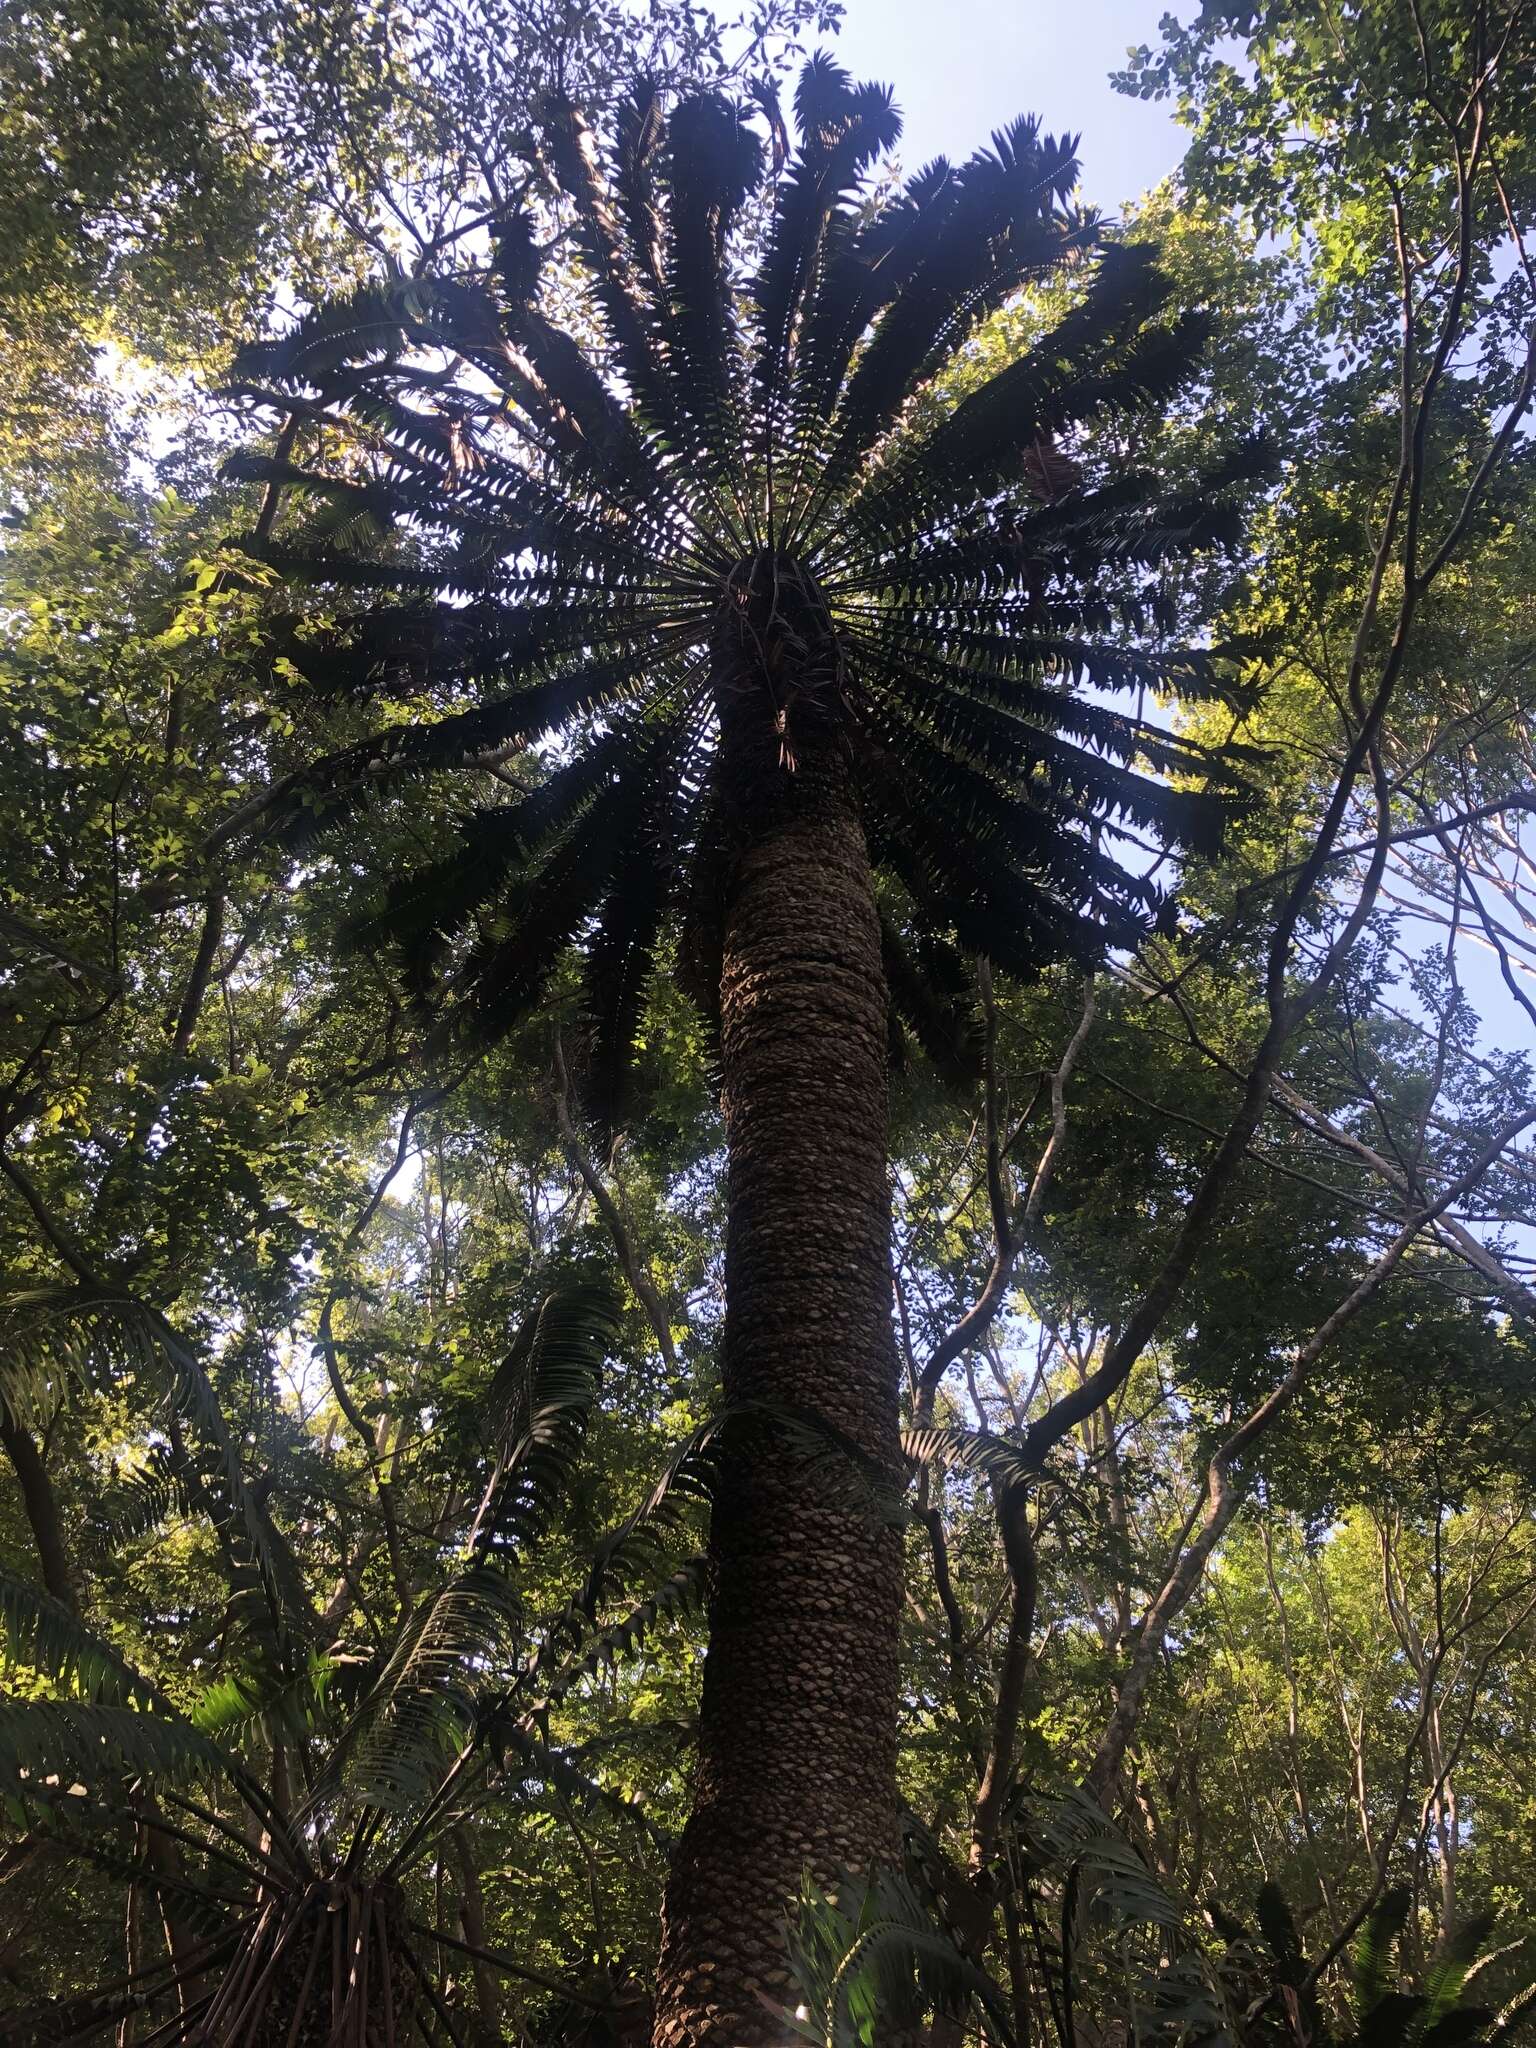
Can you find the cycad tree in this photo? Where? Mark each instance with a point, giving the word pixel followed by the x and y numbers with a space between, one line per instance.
pixel 795 653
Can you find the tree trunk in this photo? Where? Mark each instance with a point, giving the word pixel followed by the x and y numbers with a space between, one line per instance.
pixel 472 1922
pixel 41 1504
pixel 42 1510
pixel 1024 1577
pixel 796 1765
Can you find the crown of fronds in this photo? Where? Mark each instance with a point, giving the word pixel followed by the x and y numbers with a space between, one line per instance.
pixel 739 445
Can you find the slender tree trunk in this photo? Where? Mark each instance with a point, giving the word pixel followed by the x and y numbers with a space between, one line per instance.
pixel 472 1921
pixel 41 1504
pixel 42 1510
pixel 1222 1502
pixel 796 1765
pixel 1023 1572
pixel 133 1954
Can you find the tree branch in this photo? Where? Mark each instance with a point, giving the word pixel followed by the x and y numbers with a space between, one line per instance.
pixel 641 1283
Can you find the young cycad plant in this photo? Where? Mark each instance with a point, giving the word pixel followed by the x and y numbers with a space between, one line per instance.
pixel 870 1963
pixel 305 1796
pixel 797 653
pixel 1106 1956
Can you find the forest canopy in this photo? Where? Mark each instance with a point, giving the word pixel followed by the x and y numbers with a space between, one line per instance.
pixel 766 1099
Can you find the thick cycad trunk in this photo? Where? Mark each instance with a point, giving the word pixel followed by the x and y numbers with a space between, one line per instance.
pixel 797 1744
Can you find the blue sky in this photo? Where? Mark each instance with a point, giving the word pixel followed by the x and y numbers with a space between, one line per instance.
pixel 963 67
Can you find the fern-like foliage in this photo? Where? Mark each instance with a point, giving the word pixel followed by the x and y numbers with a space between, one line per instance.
pixel 1117 1953
pixel 536 1408
pixel 379 1758
pixel 421 1712
pixel 54 1749
pixel 140 1498
pixel 43 1635
pixel 981 1451
pixel 750 494
pixel 613 1642
pixel 64 1335
pixel 1265 1992
pixel 55 1337
pixel 383 1757
pixel 288 1710
pixel 869 1962
pixel 1122 1945
pixel 466 1637
pixel 113 1726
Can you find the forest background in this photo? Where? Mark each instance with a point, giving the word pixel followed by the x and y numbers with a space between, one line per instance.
pixel 1268 1592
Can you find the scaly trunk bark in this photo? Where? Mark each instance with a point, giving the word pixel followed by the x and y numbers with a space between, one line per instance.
pixel 796 1765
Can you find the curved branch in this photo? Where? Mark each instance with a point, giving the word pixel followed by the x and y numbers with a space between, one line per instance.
pixel 1008 1237
pixel 1223 1498
pixel 644 1288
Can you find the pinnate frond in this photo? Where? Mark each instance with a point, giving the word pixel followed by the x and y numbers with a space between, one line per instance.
pixel 43 1635
pixel 534 1412
pixel 48 1748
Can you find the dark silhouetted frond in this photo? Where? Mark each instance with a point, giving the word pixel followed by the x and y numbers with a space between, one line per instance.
pixel 534 1412
pixel 55 1751
pixel 421 1712
pixel 141 1497
pixel 870 1955
pixel 42 1634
